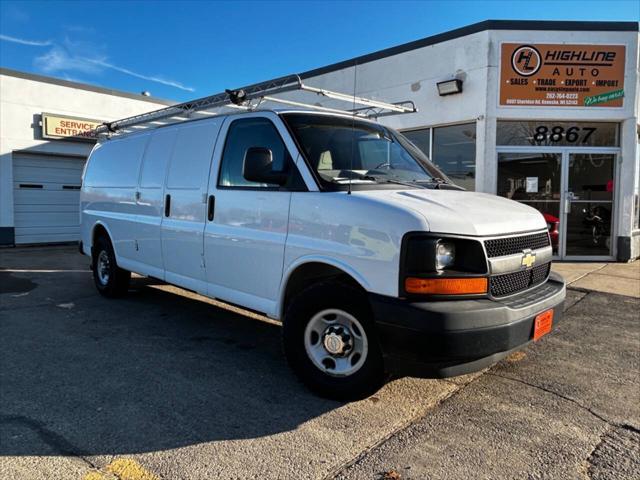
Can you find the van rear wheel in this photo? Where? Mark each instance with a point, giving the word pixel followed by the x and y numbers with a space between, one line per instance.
pixel 111 280
pixel 330 342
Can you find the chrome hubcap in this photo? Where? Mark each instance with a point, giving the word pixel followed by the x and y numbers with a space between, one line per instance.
pixel 337 340
pixel 103 267
pixel 336 343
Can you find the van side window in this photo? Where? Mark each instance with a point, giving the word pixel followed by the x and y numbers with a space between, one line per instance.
pixel 255 132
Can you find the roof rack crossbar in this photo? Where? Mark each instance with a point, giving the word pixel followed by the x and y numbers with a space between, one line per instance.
pixel 258 93
pixel 307 105
pixel 354 99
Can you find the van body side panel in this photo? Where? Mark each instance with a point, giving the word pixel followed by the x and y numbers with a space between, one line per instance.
pixel 360 237
pixel 183 228
pixel 108 192
pixel 150 202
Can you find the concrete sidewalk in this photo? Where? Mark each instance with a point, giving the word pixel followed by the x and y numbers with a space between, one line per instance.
pixel 618 278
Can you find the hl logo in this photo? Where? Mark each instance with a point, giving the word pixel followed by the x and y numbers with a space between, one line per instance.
pixel 528 259
pixel 526 60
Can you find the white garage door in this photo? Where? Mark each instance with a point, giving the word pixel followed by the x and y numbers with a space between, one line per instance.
pixel 46 198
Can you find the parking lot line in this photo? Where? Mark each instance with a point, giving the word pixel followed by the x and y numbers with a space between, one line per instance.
pixel 122 469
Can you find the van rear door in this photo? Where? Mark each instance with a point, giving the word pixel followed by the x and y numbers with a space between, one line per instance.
pixel 150 201
pixel 184 207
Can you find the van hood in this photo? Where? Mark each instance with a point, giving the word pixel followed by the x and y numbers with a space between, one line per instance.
pixel 463 213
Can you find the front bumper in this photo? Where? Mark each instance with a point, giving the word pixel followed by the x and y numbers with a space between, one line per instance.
pixel 454 337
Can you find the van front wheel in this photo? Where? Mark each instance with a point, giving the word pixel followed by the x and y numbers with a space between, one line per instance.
pixel 330 342
pixel 111 280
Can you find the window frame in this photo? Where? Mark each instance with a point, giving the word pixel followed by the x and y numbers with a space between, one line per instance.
pixel 294 167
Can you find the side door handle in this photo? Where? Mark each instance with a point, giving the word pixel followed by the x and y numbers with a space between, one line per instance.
pixel 167 205
pixel 211 206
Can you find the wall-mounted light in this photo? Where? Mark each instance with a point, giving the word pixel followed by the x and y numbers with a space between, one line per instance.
pixel 449 87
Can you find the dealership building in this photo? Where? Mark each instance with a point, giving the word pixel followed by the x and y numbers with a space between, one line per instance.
pixel 544 113
pixel 43 150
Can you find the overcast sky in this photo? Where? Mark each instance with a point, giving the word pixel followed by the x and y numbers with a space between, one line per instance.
pixel 182 50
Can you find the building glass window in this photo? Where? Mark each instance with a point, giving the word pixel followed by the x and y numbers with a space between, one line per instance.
pixel 454 152
pixel 534 179
pixel 546 133
pixel 421 139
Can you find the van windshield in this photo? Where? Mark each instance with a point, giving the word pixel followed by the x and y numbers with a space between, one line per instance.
pixel 343 151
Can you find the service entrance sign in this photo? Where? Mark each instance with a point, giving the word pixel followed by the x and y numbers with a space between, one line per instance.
pixel 561 75
pixel 63 126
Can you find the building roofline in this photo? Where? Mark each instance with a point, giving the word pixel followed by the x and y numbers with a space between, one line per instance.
pixel 546 25
pixel 82 86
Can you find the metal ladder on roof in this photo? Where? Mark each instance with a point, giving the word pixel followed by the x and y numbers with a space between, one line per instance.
pixel 250 98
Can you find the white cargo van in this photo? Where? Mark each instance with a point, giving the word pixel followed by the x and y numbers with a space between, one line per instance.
pixel 373 260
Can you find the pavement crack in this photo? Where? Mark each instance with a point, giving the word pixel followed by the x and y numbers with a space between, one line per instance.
pixel 48 436
pixel 564 397
pixel 630 428
pixel 616 455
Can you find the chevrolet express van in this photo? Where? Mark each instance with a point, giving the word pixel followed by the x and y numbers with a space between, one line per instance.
pixel 340 227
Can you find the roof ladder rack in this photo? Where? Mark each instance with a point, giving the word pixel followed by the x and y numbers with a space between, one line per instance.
pixel 252 98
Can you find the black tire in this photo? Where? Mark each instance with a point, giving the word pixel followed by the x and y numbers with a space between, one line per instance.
pixel 117 283
pixel 360 384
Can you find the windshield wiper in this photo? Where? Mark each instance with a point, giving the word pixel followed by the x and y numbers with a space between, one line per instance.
pixel 438 183
pixel 392 181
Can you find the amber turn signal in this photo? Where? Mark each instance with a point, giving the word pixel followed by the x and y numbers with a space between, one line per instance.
pixel 446 286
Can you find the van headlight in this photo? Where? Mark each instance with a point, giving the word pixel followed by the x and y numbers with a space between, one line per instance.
pixel 434 265
pixel 445 255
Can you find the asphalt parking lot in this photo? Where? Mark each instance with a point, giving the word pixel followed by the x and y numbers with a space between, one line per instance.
pixel 164 384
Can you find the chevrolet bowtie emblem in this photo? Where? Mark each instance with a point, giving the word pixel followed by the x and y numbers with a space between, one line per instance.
pixel 528 258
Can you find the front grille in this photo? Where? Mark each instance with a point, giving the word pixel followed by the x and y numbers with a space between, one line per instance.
pixel 514 282
pixel 497 247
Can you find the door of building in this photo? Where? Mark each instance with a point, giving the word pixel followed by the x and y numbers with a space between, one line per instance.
pixel 587 225
pixel 573 188
pixel 46 197
pixel 567 170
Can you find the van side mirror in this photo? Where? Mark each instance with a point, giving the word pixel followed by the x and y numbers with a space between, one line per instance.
pixel 258 167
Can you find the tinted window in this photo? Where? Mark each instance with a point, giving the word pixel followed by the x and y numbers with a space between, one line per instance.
pixel 244 134
pixel 421 139
pixel 454 151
